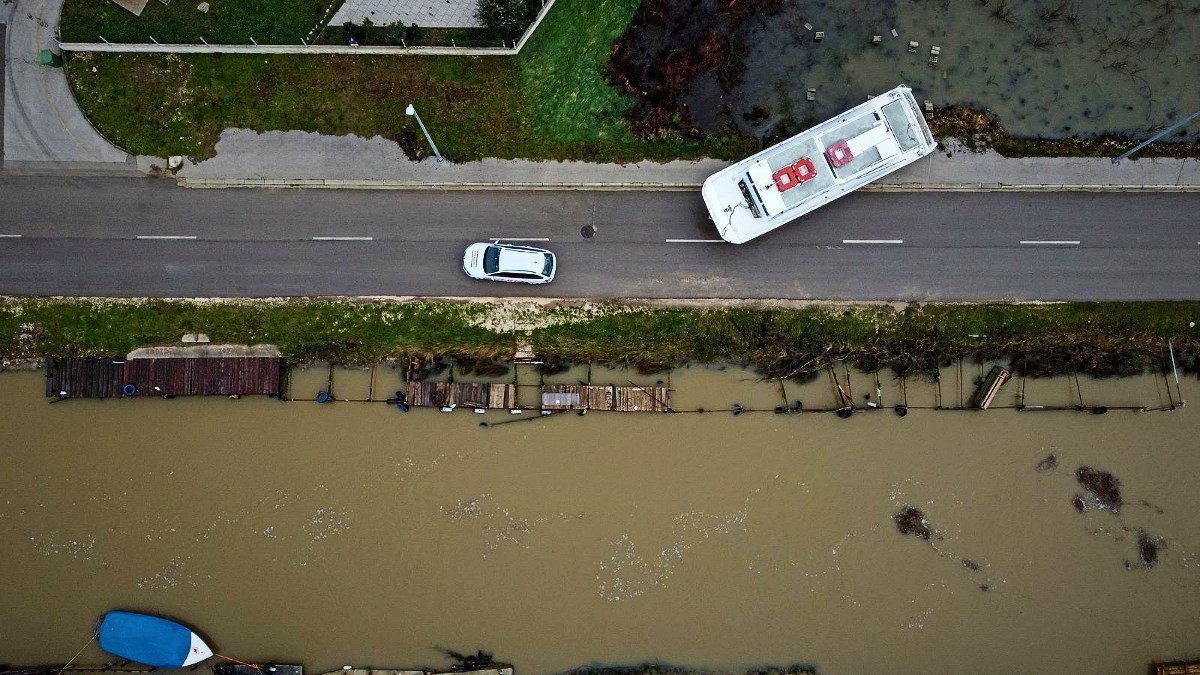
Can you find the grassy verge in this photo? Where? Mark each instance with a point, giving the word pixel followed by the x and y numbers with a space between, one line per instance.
pixel 227 21
pixel 551 102
pixel 303 330
pixel 1101 338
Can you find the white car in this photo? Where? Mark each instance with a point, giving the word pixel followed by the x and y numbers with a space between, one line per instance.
pixel 494 261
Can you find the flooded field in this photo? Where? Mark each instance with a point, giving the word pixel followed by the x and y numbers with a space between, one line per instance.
pixel 352 533
pixel 1047 68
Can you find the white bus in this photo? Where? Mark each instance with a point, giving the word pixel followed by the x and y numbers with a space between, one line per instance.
pixel 786 181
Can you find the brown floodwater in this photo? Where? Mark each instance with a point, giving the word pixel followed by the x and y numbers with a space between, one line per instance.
pixel 350 533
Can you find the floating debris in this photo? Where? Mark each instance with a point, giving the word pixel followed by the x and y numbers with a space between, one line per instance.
pixel 912 521
pixel 970 564
pixel 1103 486
pixel 1048 463
pixel 1147 551
pixel 985 588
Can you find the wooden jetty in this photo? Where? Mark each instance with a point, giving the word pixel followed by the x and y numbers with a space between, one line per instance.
pixel 208 370
pixel 84 378
pixel 261 669
pixel 462 394
pixel 1178 668
pixel 989 388
pixel 497 669
pixel 593 397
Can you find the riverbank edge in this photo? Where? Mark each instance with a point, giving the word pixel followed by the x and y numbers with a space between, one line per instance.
pixel 780 338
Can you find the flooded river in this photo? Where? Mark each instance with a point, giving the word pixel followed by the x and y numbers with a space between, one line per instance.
pixel 354 534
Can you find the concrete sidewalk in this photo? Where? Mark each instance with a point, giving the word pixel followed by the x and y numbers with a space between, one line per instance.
pixel 44 129
pixel 302 159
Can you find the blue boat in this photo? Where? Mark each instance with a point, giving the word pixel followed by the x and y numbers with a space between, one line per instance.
pixel 151 640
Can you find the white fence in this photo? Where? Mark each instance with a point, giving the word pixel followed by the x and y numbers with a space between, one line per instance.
pixel 304 47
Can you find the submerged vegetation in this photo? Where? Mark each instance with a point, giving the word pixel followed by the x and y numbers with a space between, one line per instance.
pixel 980 130
pixel 782 341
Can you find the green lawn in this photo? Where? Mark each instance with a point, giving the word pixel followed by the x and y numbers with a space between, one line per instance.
pixel 550 102
pixel 227 21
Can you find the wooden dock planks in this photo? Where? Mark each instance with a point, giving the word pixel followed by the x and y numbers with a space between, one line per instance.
pixel 205 376
pixel 84 378
pixel 462 394
pixel 614 398
pixel 1178 668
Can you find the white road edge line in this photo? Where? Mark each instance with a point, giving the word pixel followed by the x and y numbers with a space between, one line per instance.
pixel 166 236
pixel 10 236
pixel 343 238
pixel 695 241
pixel 872 241
pixel 1050 242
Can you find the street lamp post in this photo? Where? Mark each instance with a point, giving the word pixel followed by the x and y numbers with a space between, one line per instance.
pixel 412 112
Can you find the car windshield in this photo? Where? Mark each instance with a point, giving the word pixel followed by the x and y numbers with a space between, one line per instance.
pixel 491 260
pixel 548 270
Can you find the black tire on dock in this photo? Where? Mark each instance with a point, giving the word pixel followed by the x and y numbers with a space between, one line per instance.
pixel 901 410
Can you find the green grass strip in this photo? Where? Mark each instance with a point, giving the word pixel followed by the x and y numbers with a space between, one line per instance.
pixel 226 22
pixel 1100 338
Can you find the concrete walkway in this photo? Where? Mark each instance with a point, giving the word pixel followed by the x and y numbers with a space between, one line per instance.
pixel 43 126
pixel 426 13
pixel 294 158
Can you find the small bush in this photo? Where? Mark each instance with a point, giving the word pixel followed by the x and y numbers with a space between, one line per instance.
pixel 510 17
pixel 396 34
pixel 353 31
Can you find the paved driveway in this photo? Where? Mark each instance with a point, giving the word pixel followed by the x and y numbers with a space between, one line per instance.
pixel 42 121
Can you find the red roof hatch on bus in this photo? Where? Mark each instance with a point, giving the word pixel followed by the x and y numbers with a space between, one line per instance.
pixel 790 176
pixel 839 154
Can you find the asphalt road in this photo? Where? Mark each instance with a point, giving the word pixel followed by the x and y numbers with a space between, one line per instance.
pixel 105 236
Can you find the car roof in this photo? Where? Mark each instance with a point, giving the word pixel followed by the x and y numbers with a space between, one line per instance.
pixel 520 259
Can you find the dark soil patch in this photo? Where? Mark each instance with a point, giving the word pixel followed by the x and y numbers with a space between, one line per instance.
pixel 1107 362
pixel 483 367
pixel 429 367
pixel 554 365
pixel 1102 486
pixel 912 521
